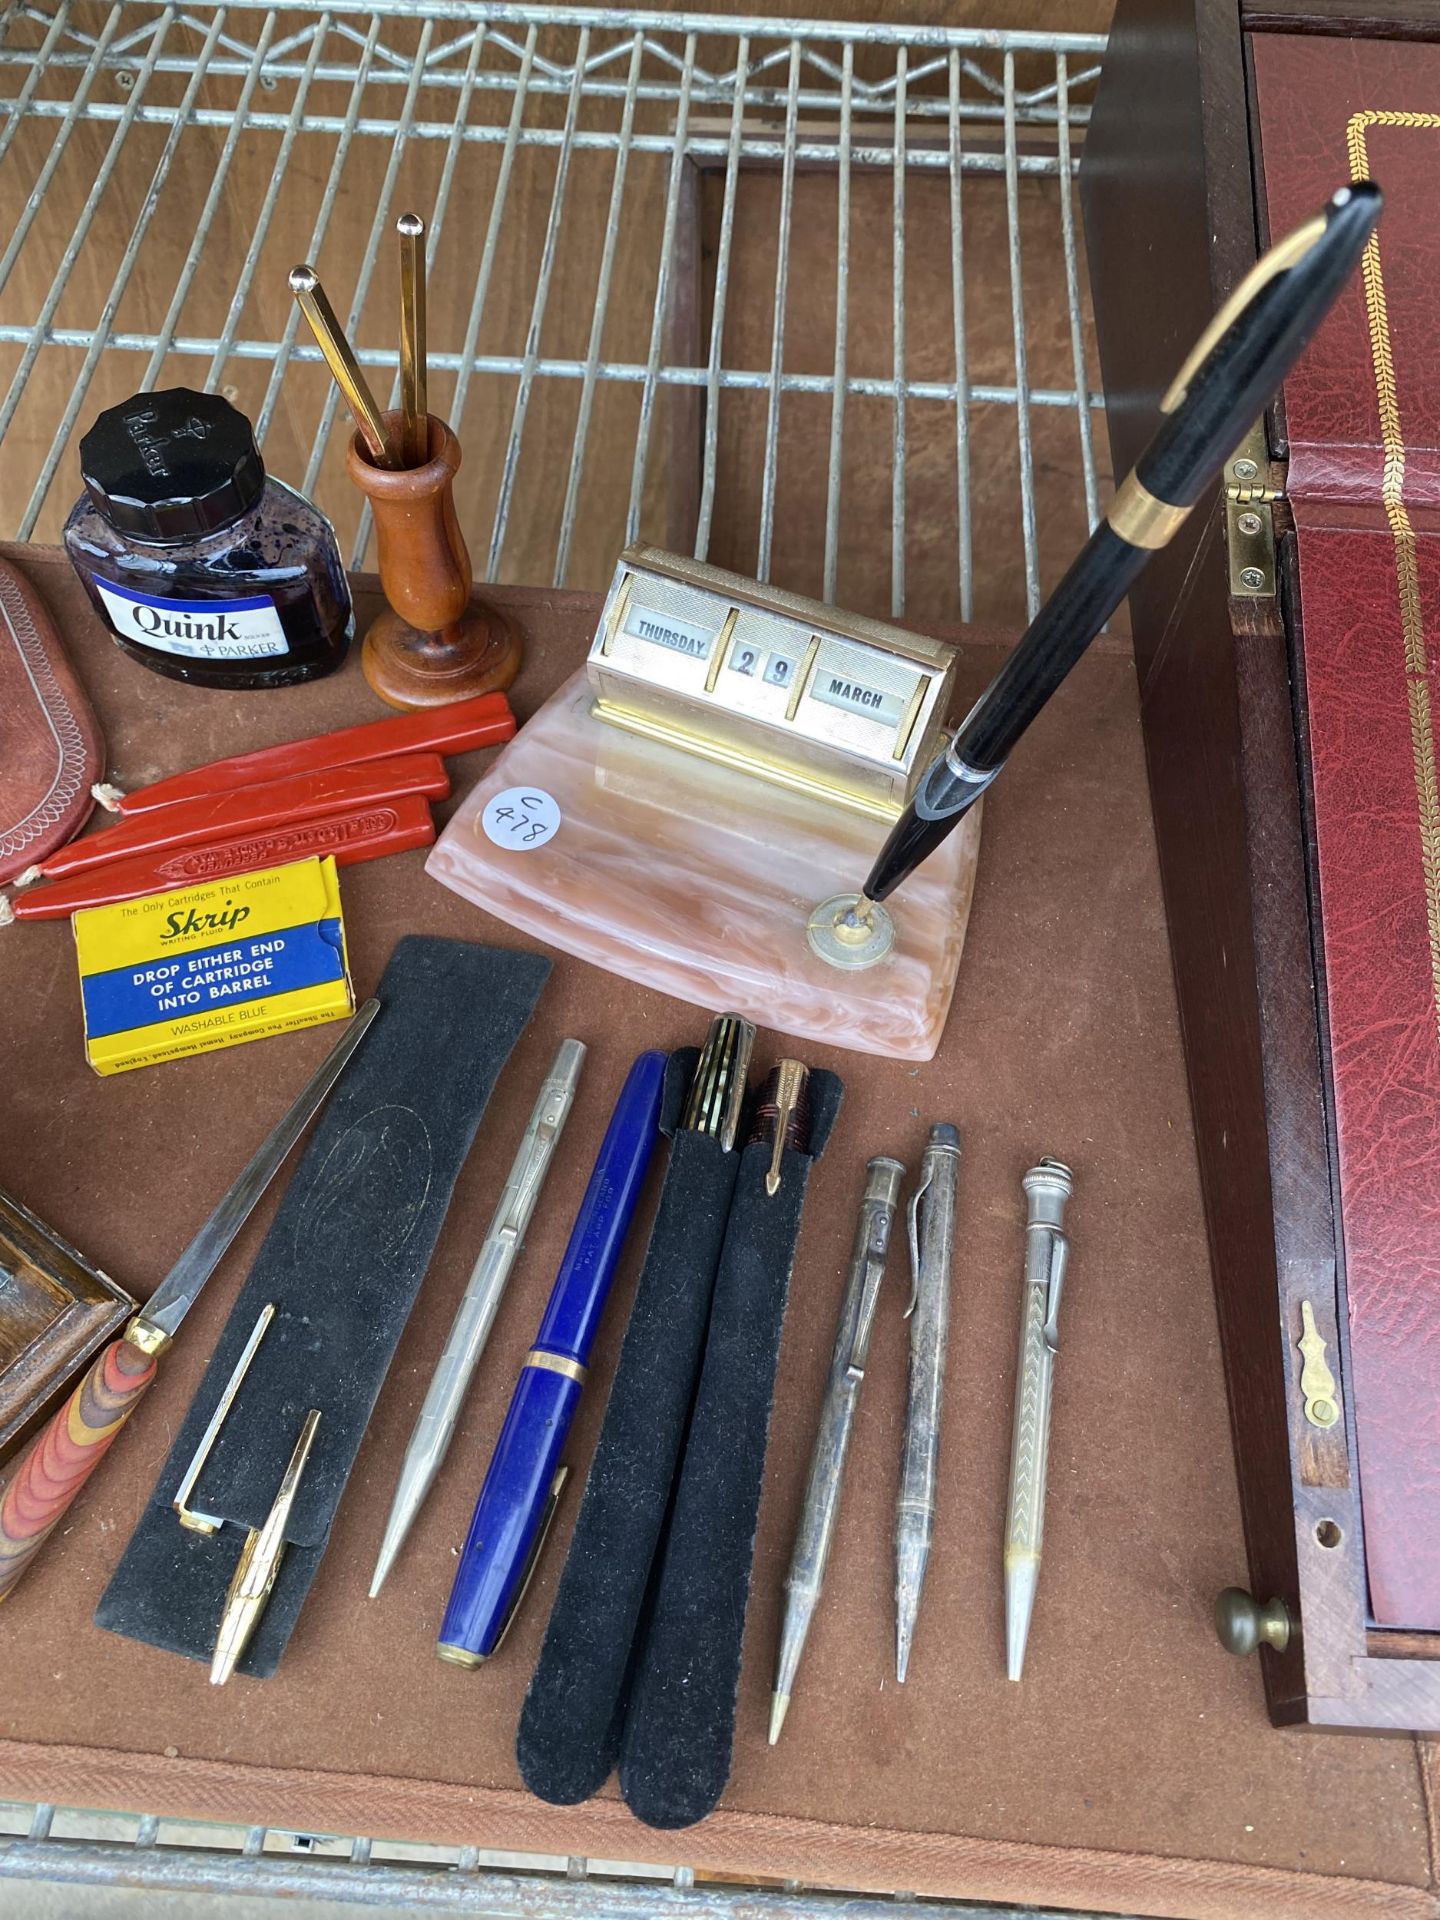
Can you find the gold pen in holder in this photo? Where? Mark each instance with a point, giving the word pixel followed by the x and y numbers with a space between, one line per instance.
pixel 344 367
pixel 413 402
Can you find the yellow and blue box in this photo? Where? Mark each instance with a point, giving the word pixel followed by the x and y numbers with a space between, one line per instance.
pixel 211 966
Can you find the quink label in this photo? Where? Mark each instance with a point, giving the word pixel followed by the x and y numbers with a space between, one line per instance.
pixel 197 629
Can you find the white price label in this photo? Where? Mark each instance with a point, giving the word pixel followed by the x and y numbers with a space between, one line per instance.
pixel 521 818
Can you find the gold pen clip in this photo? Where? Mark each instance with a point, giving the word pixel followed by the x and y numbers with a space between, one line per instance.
pixel 462 1656
pixel 189 1517
pixel 259 1563
pixel 1280 258
pixel 542 1534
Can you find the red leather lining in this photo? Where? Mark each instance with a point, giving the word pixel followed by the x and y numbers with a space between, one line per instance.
pixel 1363 416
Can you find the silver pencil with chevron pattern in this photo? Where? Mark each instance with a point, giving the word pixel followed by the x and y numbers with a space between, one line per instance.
pixel 1047 1188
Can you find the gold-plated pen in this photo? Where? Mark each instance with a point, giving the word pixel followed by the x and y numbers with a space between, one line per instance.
pixel 258 1564
pixel 344 367
pixel 413 403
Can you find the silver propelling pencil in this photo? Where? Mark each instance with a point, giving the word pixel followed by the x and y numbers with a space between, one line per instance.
pixel 932 1249
pixel 837 1419
pixel 1047 1187
pixel 472 1323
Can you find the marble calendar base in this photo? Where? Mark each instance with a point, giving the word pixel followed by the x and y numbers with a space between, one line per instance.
pixel 696 881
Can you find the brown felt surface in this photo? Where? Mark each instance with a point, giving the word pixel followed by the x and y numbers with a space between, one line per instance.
pixel 1133 1768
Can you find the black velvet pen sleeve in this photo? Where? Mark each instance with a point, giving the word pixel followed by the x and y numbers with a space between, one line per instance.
pixel 570 1724
pixel 680 1720
pixel 341 1266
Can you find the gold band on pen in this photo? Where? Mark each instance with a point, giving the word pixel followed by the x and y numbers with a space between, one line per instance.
pixel 1142 519
pixel 458 1656
pixel 344 367
pixel 556 1363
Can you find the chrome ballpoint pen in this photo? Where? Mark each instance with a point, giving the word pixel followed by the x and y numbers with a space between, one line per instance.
pixel 1047 1187
pixel 932 1249
pixel 837 1418
pixel 471 1326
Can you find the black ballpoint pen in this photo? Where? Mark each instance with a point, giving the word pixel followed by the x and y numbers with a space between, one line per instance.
pixel 1233 372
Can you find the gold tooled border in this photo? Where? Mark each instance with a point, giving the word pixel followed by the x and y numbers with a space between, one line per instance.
pixel 1392 493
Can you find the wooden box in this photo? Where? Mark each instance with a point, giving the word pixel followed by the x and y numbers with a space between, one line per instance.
pixel 56 1310
pixel 1269 735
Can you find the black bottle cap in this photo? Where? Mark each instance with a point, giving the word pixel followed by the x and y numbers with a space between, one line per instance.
pixel 171 465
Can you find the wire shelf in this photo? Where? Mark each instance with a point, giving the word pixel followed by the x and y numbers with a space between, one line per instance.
pixel 803 298
pixel 78 1849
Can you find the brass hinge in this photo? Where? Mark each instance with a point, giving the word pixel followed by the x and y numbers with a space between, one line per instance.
pixel 1249 520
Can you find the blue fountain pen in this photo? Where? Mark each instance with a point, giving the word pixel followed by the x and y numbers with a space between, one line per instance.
pixel 524 1478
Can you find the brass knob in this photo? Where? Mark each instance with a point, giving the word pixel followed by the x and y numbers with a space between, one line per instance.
pixel 1243 1624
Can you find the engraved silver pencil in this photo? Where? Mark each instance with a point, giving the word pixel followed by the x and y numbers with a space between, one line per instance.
pixel 837 1417
pixel 932 1252
pixel 1047 1187
pixel 471 1326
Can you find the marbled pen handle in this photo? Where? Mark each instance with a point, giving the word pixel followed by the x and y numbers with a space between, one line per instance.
pixel 67 1452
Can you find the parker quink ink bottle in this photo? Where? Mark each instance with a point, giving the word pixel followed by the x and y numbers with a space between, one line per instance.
pixel 202 566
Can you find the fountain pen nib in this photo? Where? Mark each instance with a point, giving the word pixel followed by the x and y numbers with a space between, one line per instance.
pixel 779 1707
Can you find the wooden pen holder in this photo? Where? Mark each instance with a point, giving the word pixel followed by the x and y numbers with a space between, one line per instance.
pixel 430 646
